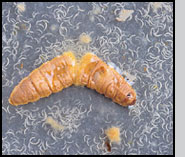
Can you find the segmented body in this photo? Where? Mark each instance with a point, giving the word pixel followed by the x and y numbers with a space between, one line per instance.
pixel 63 71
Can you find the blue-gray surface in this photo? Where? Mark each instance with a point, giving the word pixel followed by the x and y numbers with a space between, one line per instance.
pixel 139 42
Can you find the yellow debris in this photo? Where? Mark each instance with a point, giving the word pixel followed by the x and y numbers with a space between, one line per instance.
pixel 156 5
pixel 54 124
pixel 155 86
pixel 21 7
pixel 85 38
pixel 21 65
pixel 124 14
pixel 113 134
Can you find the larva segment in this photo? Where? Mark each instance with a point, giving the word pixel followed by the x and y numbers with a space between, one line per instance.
pixel 62 71
pixel 85 68
pixel 17 97
pixel 29 90
pixel 39 83
pixel 25 91
pixel 111 91
pixel 97 78
pixel 71 64
pixel 49 71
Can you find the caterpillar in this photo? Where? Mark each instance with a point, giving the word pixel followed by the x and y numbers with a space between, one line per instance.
pixel 64 71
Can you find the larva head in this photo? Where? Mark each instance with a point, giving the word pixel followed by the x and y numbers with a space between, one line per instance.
pixel 125 98
pixel 125 94
pixel 130 98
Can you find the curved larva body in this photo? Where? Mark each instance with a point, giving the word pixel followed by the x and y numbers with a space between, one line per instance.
pixel 50 77
pixel 96 74
pixel 63 71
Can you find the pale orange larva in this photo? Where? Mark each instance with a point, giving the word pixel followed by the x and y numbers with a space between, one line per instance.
pixel 63 71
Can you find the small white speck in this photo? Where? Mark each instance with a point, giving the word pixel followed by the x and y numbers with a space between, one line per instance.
pixel 156 6
pixel 53 27
pixel 112 65
pixel 85 38
pixel 124 14
pixel 96 10
pixel 73 63
pixel 91 18
pixel 115 80
pixel 92 60
pixel 131 107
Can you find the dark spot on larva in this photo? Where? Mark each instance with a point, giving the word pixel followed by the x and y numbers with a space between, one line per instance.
pixel 128 95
